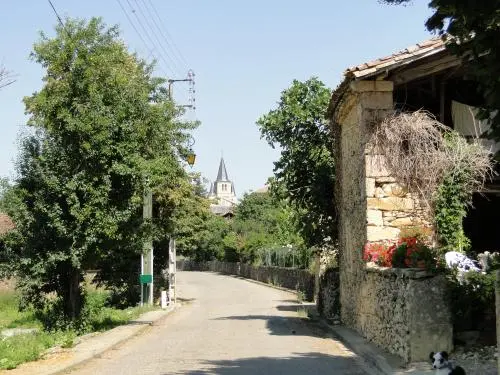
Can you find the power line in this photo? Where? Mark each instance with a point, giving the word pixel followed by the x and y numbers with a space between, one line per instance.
pixel 135 28
pixel 150 39
pixel 174 63
pixel 138 33
pixel 152 18
pixel 173 45
pixel 57 14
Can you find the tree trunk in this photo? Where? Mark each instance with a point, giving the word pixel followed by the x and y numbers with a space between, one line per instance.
pixel 73 302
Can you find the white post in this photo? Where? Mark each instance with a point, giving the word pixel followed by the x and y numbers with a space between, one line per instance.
pixel 163 299
pixel 172 292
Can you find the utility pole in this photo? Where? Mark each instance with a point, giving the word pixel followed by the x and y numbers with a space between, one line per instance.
pixel 190 79
pixel 146 277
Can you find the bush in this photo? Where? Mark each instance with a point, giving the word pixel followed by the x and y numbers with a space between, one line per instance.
pixel 471 299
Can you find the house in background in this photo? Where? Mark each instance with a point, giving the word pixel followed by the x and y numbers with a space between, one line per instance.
pixel 403 311
pixel 222 193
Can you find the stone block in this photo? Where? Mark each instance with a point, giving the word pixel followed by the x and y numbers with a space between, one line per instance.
pixel 405 222
pixel 394 189
pixel 379 193
pixel 370 187
pixel 375 234
pixel 367 86
pixel 390 204
pixel 383 180
pixel 374 217
pixel 375 166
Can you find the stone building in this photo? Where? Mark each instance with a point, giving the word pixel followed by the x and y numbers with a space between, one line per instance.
pixel 401 310
pixel 222 193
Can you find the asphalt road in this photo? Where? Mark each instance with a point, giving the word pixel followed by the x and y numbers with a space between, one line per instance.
pixel 229 326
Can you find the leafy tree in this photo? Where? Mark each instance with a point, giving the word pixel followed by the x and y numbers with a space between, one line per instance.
pixel 261 221
pixel 103 129
pixel 474 27
pixel 304 174
pixel 185 212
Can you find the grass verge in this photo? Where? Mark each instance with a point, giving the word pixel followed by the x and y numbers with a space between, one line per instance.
pixel 15 350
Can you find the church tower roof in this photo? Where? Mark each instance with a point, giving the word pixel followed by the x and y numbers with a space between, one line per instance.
pixel 222 174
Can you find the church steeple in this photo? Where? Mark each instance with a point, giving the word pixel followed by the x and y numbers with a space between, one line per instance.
pixel 222 191
pixel 222 174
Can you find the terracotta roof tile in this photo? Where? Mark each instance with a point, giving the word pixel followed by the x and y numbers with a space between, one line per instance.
pixel 408 55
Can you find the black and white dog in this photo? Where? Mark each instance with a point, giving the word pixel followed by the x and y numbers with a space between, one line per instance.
pixel 443 366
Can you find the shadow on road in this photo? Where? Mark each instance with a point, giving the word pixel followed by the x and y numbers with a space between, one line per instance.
pixel 298 364
pixel 285 325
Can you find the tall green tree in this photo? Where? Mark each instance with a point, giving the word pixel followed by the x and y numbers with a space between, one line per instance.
pixel 304 174
pixel 473 30
pixel 185 212
pixel 261 222
pixel 103 130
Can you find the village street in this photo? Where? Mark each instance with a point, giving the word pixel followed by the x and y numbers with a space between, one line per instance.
pixel 229 326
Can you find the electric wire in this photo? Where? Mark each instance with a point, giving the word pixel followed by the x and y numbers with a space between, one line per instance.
pixel 172 45
pixel 143 40
pixel 173 61
pixel 57 14
pixel 172 70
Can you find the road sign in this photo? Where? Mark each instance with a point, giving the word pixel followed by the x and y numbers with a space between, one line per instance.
pixel 146 279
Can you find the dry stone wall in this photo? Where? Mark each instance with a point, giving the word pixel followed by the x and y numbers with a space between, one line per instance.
pixel 405 311
pixel 289 278
pixel 390 207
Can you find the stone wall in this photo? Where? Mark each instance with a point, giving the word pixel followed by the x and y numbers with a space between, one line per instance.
pixel 390 207
pixel 289 278
pixel 403 311
pixel 328 300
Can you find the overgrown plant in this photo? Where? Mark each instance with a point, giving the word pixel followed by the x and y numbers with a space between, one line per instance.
pixel 437 165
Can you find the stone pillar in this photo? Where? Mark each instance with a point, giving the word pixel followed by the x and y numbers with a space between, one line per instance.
pixel 364 103
pixel 497 292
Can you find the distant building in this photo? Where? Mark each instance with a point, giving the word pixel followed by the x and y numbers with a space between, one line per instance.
pixel 222 193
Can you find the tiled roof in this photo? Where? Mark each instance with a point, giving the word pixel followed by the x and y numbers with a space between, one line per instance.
pixel 406 56
pixel 6 224
pixel 221 210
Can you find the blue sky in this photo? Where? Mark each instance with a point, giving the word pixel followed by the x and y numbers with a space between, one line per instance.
pixel 244 53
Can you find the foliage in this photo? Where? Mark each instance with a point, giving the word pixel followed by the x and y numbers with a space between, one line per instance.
pixel 304 174
pixel 472 28
pixel 471 299
pixel 184 211
pixel 261 222
pixel 454 194
pixel 10 316
pixel 97 141
pixel 407 252
pixel 23 348
pixel 451 208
